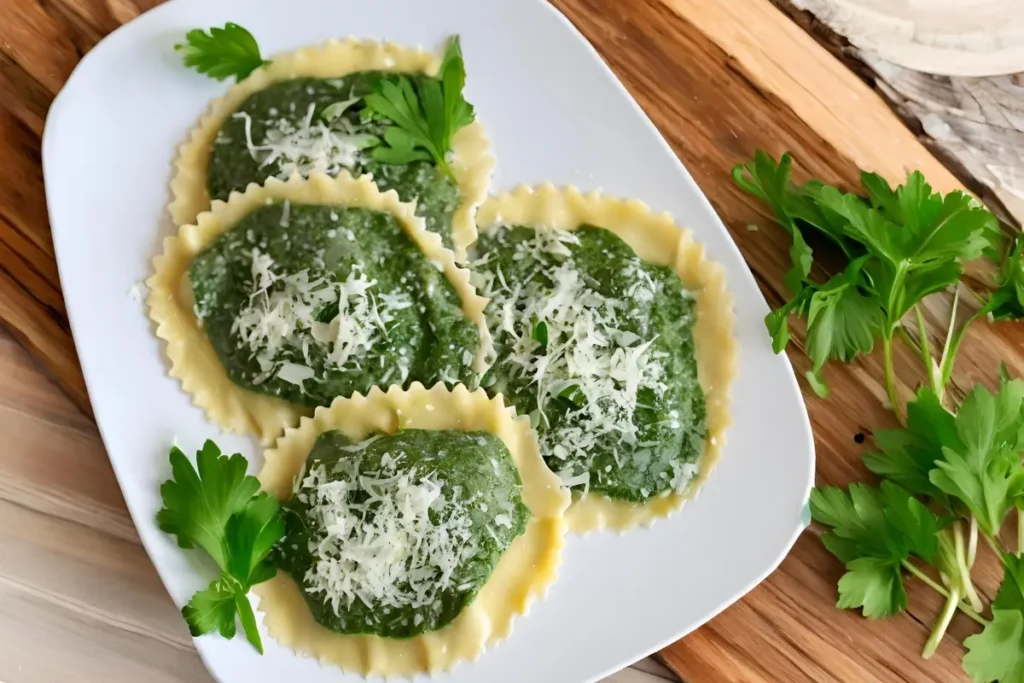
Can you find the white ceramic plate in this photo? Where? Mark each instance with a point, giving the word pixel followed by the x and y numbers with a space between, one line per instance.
pixel 554 112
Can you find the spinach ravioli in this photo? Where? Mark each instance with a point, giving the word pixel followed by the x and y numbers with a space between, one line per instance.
pixel 309 302
pixel 597 346
pixel 304 125
pixel 419 524
pixel 394 535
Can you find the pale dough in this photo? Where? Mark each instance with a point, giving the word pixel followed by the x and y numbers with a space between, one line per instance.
pixel 471 162
pixel 193 359
pixel 522 575
pixel 658 240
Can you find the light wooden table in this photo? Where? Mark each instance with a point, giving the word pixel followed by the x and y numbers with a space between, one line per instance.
pixel 79 600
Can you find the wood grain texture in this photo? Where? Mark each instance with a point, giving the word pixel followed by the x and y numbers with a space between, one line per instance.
pixel 719 79
pixel 691 75
pixel 79 599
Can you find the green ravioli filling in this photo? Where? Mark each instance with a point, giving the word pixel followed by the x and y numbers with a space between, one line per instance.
pixel 295 125
pixel 394 536
pixel 597 347
pixel 308 303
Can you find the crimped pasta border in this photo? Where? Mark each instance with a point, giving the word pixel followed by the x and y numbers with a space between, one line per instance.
pixel 656 239
pixel 524 572
pixel 471 163
pixel 192 357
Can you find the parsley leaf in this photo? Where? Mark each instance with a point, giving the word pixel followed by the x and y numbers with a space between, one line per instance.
pixel 223 52
pixel 984 472
pixel 251 534
pixel 863 224
pixel 901 246
pixel 1007 302
pixel 881 195
pixel 802 257
pixel 997 653
pixel 219 508
pixel 940 227
pixel 197 505
pixel 912 224
pixel 908 455
pixel 874 585
pixel 212 609
pixel 777 321
pixel 874 531
pixel 426 116
pixel 793 205
pixel 1011 591
pixel 841 321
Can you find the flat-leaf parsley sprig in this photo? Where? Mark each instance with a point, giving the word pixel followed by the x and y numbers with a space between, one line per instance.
pixel 219 508
pixel 901 245
pixel 426 113
pixel 951 475
pixel 222 52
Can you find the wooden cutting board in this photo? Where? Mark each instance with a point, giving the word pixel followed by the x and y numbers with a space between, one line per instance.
pixel 719 78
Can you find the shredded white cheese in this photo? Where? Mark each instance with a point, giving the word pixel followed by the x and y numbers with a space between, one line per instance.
pixel 589 356
pixel 399 548
pixel 281 315
pixel 308 145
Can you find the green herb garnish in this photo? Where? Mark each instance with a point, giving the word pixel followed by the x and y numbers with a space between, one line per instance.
pixel 219 508
pixel 222 53
pixel 874 531
pixel 426 115
pixel 997 653
pixel 902 245
pixel 953 473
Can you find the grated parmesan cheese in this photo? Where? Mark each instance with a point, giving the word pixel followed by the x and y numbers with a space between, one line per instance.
pixel 398 548
pixel 281 317
pixel 588 352
pixel 308 145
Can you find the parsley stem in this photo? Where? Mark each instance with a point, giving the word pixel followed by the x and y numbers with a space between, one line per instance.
pixel 890 384
pixel 939 631
pixel 1020 532
pixel 924 577
pixel 443 163
pixel 945 347
pixel 922 333
pixel 930 368
pixel 965 572
pixel 949 358
pixel 972 542
pixel 928 581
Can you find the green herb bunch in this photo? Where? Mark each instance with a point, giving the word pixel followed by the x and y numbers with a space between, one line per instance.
pixel 952 473
pixel 216 506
